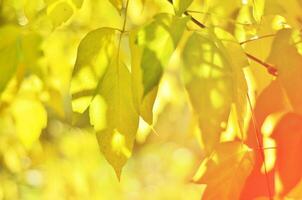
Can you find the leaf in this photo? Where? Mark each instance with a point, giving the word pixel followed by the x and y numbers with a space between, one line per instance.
pixel 271 100
pixel 109 95
pixel 214 79
pixel 19 52
pixel 290 10
pixel 288 136
pixel 10 53
pixel 289 67
pixel 30 118
pixel 258 9
pixel 296 192
pixel 31 51
pixel 78 3
pixel 116 141
pixel 225 171
pixel 144 105
pixel 151 48
pixel 94 55
pixel 118 4
pixel 180 6
pixel 49 2
pixel 158 40
pixel 60 13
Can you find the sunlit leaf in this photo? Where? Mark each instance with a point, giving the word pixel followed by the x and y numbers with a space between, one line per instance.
pixel 225 171
pixel 296 192
pixel 157 41
pixel 144 105
pixel 213 63
pixel 151 49
pixel 10 53
pixel 94 56
pixel 30 117
pixel 60 13
pixel 112 112
pixel 116 140
pixel 18 50
pixel 289 67
pixel 288 136
pixel 78 3
pixel 260 184
pixel 258 9
pixel 118 4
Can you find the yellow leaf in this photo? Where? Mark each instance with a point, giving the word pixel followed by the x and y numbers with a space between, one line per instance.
pixel 143 105
pixel 49 2
pixel 60 13
pixel 116 141
pixel 118 4
pixel 258 9
pixel 78 3
pixel 225 171
pixel 17 49
pixel 214 79
pixel 94 55
pixel 10 53
pixel 30 118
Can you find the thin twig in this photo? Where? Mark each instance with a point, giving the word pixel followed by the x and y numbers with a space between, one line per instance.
pixel 198 23
pixel 271 69
pixel 257 38
pixel 195 21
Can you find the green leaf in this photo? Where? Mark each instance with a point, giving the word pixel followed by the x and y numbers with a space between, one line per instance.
pixel 151 48
pixel 180 6
pixel 10 53
pixel 289 67
pixel 143 105
pixel 214 79
pixel 157 41
pixel 95 53
pixel 117 139
pixel 226 171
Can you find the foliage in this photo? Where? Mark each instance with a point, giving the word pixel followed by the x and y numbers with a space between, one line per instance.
pixel 164 86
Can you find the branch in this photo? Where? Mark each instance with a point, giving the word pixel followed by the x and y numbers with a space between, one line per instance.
pixel 194 20
pixel 271 69
pixel 198 23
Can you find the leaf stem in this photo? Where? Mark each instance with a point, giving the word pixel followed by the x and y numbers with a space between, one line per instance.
pixel 125 19
pixel 257 38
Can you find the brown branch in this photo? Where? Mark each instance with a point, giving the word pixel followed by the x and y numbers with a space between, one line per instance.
pixel 194 20
pixel 198 23
pixel 271 69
